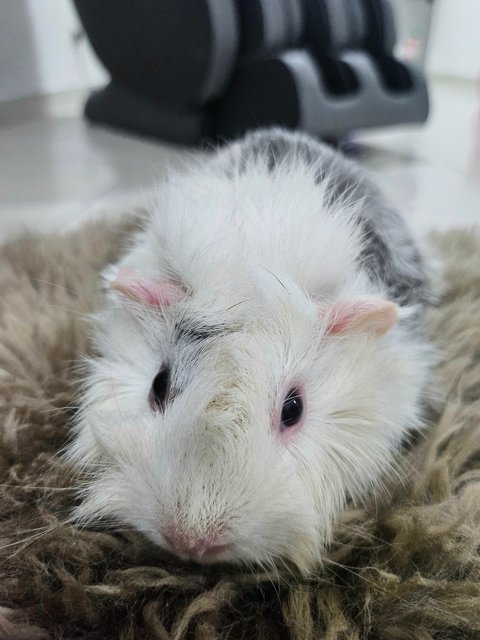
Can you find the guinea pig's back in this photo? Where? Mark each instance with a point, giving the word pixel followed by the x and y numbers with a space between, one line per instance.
pixel 389 255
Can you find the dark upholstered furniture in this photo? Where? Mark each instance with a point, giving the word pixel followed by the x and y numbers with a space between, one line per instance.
pixel 190 70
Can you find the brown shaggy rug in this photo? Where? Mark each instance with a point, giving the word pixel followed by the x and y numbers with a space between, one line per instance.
pixel 404 567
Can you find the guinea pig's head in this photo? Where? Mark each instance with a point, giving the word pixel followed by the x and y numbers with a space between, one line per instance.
pixel 234 428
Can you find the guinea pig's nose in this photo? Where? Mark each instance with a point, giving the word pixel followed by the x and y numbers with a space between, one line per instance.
pixel 200 547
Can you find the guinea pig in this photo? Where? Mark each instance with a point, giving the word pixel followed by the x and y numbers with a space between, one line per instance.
pixel 261 357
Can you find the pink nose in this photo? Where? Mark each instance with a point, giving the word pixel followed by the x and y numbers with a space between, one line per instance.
pixel 207 546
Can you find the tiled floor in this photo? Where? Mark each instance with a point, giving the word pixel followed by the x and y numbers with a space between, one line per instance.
pixel 55 169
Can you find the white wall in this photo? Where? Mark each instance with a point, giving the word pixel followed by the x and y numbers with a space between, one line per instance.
pixel 449 28
pixel 40 51
pixel 413 18
pixel 454 47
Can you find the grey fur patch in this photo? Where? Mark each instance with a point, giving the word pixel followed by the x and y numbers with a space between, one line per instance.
pixel 196 332
pixel 390 256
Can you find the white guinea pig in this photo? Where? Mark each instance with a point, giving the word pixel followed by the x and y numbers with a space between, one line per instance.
pixel 261 356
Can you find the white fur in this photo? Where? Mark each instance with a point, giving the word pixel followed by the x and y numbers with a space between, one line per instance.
pixel 255 251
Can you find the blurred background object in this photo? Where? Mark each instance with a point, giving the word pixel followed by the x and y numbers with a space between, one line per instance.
pixel 43 49
pixel 56 167
pixel 190 70
pixel 414 18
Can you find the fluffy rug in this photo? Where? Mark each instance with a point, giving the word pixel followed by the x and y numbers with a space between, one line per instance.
pixel 406 566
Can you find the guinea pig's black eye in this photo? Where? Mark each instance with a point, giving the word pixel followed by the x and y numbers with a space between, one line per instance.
pixel 292 410
pixel 159 391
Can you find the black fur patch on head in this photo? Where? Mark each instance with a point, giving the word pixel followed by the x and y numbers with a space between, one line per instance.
pixel 193 332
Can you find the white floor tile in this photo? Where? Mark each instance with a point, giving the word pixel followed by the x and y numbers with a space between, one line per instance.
pixel 55 169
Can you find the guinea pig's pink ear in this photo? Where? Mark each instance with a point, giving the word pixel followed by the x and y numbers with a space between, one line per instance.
pixel 365 315
pixel 154 293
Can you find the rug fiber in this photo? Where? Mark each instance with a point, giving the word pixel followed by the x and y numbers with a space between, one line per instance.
pixel 406 566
